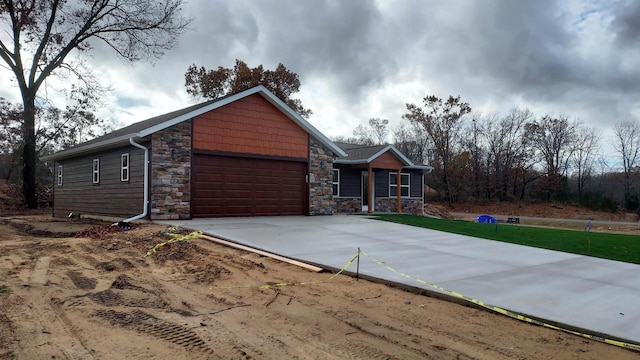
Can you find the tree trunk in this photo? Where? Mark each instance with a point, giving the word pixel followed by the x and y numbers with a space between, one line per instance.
pixel 29 153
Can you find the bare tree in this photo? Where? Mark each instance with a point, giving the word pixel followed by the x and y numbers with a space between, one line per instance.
pixel 554 140
pixel 373 134
pixel 442 122
pixel 583 158
pixel 412 141
pixel 473 144
pixel 42 34
pixel 507 151
pixel 627 144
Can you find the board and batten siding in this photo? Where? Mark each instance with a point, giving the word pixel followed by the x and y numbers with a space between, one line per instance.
pixel 111 197
pixel 416 184
pixel 350 181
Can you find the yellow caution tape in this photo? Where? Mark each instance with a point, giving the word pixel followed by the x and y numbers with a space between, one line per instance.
pixel 173 232
pixel 271 286
pixel 504 311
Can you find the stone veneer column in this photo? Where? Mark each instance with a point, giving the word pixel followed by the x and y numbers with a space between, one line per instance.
pixel 320 179
pixel 171 173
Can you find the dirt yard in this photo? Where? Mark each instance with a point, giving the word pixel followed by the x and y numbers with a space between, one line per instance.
pixel 540 210
pixel 64 297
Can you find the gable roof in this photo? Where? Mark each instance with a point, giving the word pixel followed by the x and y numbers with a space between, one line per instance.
pixel 364 154
pixel 147 127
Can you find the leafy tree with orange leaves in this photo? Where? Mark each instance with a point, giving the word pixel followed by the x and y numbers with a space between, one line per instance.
pixel 213 84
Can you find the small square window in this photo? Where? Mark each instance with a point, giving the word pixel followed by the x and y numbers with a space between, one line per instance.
pixel 59 175
pixel 124 167
pixel 96 171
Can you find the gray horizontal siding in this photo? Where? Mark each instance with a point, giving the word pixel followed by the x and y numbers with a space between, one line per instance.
pixel 111 197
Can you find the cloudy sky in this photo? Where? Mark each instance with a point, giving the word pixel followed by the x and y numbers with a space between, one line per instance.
pixel 362 59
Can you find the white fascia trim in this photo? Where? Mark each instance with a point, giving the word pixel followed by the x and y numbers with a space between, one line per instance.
pixel 425 168
pixel 408 163
pixel 345 161
pixel 89 148
pixel 275 101
pixel 395 151
pixel 200 111
pixel 265 93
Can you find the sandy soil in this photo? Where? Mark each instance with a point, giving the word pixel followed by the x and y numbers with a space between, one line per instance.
pixel 83 298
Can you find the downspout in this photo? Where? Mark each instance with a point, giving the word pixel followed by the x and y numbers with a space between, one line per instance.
pixel 146 183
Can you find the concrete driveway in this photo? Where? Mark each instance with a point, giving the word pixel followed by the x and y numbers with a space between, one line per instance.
pixel 584 292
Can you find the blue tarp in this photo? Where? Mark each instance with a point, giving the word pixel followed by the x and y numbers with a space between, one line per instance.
pixel 486 219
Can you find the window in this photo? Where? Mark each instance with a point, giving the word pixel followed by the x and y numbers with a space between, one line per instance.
pixel 96 171
pixel 59 175
pixel 336 182
pixel 124 167
pixel 404 185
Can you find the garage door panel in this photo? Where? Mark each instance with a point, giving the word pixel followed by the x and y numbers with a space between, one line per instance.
pixel 234 186
pixel 208 209
pixel 211 194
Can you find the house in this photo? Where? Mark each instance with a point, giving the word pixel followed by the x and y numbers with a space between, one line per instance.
pixel 247 154
pixel 366 180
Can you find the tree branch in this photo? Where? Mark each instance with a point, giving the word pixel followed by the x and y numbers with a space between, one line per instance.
pixel 43 42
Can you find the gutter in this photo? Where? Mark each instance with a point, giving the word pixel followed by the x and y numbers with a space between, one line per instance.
pixel 82 149
pixel 146 183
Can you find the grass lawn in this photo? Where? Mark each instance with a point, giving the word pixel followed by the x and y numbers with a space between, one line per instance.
pixel 607 246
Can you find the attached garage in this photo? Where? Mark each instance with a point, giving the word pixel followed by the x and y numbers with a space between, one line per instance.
pixel 246 154
pixel 241 186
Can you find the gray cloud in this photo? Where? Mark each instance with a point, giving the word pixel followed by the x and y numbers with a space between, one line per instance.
pixel 334 39
pixel 576 58
pixel 626 25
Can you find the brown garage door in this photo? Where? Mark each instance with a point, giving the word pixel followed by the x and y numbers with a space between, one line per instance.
pixel 235 186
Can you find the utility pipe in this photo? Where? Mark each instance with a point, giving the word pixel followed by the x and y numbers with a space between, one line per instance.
pixel 146 182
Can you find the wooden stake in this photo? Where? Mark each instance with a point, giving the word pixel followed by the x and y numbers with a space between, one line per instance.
pixel 264 253
pixel 358 266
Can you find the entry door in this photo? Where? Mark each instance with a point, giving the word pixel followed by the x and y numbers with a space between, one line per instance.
pixel 365 191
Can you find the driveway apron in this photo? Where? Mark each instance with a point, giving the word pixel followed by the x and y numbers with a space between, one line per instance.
pixel 595 294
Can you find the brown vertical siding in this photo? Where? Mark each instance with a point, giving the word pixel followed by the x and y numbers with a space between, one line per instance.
pixel 111 197
pixel 252 126
pixel 387 161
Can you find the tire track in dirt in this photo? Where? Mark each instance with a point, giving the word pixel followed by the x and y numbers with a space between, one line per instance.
pixel 68 341
pixel 150 325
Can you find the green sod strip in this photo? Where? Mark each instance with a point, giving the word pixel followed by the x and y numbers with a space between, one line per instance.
pixel 618 247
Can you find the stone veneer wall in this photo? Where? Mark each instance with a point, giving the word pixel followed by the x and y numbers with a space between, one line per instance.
pixel 320 179
pixel 348 205
pixel 171 173
pixel 409 205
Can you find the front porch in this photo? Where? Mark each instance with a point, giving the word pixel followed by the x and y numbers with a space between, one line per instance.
pixel 377 179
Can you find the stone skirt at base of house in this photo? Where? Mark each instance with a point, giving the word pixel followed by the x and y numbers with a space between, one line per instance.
pixel 348 205
pixel 413 206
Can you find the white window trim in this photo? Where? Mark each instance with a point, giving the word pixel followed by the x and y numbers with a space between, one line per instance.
pixel 125 167
pixel 408 186
pixel 336 182
pixel 60 173
pixel 95 174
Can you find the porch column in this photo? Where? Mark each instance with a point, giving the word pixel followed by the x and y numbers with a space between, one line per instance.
pixel 370 193
pixel 398 190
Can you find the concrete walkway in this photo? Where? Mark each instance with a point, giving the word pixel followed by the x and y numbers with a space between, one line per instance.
pixel 590 293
